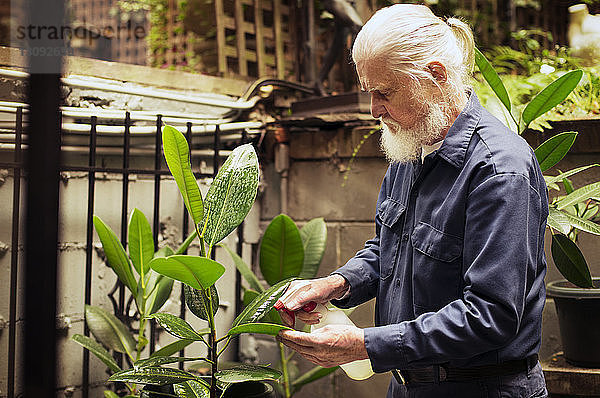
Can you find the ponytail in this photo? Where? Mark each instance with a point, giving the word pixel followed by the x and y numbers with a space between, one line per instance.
pixel 465 41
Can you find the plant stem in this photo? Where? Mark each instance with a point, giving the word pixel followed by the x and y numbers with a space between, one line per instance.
pixel 284 369
pixel 212 351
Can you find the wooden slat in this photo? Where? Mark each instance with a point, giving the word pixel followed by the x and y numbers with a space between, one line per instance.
pixel 259 33
pixel 248 27
pixel 240 38
pixel 278 39
pixel 220 23
pixel 292 44
pixel 231 52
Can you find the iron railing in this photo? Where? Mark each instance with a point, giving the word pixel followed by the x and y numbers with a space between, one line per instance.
pixel 117 295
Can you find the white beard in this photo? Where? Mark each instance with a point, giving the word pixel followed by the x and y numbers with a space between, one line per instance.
pixel 404 145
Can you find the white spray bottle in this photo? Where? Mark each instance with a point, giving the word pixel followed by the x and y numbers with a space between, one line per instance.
pixel 357 370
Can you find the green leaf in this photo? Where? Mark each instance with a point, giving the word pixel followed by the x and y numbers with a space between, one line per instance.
pixel 260 328
pixel 117 258
pixel 192 389
pixel 141 242
pixel 492 78
pixel 262 304
pixel 566 174
pixel 165 251
pixel 559 221
pixel 579 195
pixel 554 149
pixel 270 317
pixel 245 270
pixel 281 250
pixel 157 361
pixel 246 372
pixel 314 240
pixel 197 272
pixel 109 330
pixel 177 155
pixel 555 93
pixel 172 348
pixel 152 375
pixel 160 290
pixel 314 374
pixel 231 194
pixel 583 225
pixel 110 394
pixel 570 261
pixel 197 301
pixel 176 326
pixel 96 349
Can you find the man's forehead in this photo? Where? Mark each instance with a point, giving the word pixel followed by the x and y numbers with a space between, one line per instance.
pixel 377 77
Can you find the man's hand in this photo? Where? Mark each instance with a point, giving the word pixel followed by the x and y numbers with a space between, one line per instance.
pixel 300 293
pixel 329 346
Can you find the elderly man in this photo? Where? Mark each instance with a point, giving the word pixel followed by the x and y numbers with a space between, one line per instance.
pixel 457 262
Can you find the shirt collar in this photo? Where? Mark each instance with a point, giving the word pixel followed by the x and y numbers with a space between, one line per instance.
pixel 455 144
pixel 427 149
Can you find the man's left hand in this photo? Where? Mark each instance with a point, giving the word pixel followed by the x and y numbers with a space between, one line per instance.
pixel 328 346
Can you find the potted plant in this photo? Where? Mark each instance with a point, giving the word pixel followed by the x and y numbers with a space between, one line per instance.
pixel 287 251
pixel 579 295
pixel 225 206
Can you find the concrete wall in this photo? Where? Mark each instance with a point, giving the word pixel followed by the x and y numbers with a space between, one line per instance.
pixel 317 188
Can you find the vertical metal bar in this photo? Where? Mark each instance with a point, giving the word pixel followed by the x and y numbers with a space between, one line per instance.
pixel 216 145
pixel 41 237
pixel 185 228
pixel 14 255
pixel 89 248
pixel 238 290
pixel 156 216
pixel 124 208
pixel 216 150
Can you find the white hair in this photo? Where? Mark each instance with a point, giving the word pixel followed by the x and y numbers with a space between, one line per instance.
pixel 408 37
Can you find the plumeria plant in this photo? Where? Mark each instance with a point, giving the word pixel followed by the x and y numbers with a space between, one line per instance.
pixel 574 210
pixel 287 251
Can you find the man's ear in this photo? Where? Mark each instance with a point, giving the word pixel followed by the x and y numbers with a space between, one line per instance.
pixel 438 71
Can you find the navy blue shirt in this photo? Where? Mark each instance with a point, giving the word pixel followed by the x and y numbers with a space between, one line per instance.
pixel 457 263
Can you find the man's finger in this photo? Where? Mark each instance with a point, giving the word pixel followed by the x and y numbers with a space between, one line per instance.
pixel 286 318
pixel 300 338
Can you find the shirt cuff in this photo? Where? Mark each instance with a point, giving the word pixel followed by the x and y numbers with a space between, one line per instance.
pixel 384 347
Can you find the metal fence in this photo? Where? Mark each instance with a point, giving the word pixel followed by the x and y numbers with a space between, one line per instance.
pixel 209 147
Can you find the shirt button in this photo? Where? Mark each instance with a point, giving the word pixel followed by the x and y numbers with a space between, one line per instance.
pixel 404 237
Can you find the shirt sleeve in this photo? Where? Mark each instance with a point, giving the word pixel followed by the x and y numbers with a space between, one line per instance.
pixel 362 270
pixel 504 220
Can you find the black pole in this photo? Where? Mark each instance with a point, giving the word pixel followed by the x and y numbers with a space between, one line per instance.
pixel 42 170
pixel 85 369
pixel 156 210
pixel 14 255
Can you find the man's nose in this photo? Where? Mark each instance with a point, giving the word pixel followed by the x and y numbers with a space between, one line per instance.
pixel 377 107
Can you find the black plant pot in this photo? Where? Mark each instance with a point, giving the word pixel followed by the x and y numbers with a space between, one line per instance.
pixel 578 312
pixel 247 389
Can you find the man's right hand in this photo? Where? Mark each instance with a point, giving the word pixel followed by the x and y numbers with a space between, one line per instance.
pixel 300 293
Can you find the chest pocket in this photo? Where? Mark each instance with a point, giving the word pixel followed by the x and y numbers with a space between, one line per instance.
pixel 389 214
pixel 437 263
